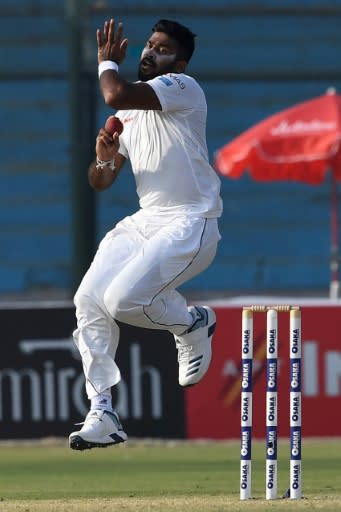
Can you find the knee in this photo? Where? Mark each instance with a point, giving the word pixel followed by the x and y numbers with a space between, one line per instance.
pixel 119 305
pixel 86 307
pixel 81 300
pixel 127 307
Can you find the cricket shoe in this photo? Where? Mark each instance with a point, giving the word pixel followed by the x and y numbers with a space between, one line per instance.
pixel 194 346
pixel 100 429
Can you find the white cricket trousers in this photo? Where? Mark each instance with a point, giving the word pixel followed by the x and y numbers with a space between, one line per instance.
pixel 133 279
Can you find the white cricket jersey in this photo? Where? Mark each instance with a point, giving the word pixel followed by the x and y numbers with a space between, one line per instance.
pixel 168 152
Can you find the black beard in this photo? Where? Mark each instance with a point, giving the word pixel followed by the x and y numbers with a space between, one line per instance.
pixel 153 71
pixel 146 76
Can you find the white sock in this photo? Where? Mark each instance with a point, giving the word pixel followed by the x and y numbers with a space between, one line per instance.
pixel 102 401
pixel 195 316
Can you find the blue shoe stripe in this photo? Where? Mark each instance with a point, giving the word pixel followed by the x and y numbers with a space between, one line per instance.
pixel 192 372
pixel 195 359
pixel 116 438
pixel 211 330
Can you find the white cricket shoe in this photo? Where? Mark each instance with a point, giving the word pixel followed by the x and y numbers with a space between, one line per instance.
pixel 194 347
pixel 100 429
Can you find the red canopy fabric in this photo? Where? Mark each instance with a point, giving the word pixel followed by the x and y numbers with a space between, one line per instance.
pixel 299 144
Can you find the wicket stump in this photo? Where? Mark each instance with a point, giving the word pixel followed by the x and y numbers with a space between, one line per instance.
pixel 295 355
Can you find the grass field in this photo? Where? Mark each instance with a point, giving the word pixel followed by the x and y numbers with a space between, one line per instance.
pixel 158 476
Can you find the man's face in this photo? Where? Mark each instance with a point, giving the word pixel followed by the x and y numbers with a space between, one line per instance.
pixel 158 56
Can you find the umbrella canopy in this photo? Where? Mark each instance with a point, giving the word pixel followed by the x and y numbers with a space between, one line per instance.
pixel 301 143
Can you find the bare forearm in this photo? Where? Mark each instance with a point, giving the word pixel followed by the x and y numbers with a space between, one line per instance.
pixel 114 89
pixel 122 95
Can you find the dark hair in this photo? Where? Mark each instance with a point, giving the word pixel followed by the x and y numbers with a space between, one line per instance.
pixel 181 34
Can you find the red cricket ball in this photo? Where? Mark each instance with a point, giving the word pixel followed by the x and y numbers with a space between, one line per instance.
pixel 113 124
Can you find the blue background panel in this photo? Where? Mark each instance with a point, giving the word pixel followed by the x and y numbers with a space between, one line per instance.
pixel 253 58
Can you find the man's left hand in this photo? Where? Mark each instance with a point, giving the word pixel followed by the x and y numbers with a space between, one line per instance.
pixel 110 43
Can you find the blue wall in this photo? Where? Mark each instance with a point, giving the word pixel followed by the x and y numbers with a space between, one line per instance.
pixel 252 59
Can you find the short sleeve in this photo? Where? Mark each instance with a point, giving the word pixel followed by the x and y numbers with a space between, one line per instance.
pixel 178 92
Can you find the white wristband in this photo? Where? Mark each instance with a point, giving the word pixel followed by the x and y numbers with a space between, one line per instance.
pixel 106 64
pixel 105 163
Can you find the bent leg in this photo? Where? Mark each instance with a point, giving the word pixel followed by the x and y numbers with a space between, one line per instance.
pixel 143 293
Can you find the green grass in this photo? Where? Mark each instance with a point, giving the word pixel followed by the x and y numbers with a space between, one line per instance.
pixel 158 476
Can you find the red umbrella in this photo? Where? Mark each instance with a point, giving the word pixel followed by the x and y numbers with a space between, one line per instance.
pixel 301 143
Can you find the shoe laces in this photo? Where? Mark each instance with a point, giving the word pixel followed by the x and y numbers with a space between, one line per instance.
pixel 200 321
pixel 90 416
